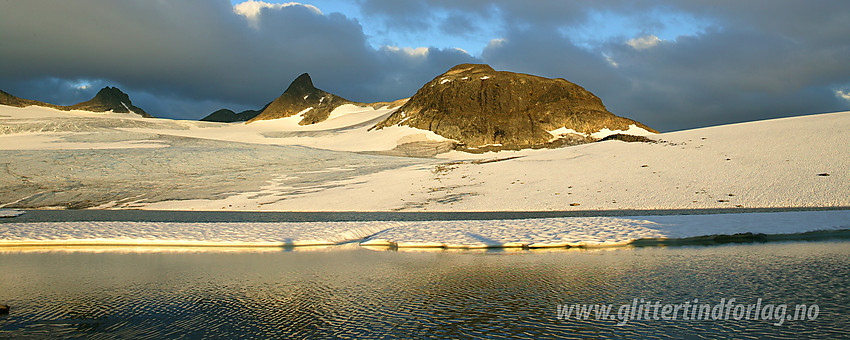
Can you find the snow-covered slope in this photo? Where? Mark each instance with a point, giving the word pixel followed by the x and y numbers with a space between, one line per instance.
pixel 42 128
pixel 632 130
pixel 347 129
pixel 790 162
pixel 58 159
pixel 61 159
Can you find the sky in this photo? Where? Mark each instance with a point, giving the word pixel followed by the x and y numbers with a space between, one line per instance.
pixel 669 64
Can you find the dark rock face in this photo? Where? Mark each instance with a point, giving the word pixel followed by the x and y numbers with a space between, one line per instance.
pixel 479 106
pixel 110 99
pixel 300 96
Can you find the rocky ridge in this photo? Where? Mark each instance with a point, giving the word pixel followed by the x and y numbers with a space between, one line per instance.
pixel 11 100
pixel 107 99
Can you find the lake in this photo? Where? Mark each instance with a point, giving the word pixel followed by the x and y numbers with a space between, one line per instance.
pixel 352 292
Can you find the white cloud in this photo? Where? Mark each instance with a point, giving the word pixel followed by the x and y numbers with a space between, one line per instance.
pixel 496 42
pixel 644 42
pixel 419 52
pixel 461 50
pixel 843 94
pixel 81 85
pixel 610 60
pixel 251 9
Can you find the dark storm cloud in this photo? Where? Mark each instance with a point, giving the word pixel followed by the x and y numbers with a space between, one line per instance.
pixel 728 76
pixel 186 57
pixel 413 68
pixel 55 90
pixel 755 60
pixel 751 60
pixel 458 24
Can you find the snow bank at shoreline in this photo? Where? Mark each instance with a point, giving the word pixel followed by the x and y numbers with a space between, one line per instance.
pixel 602 231
pixel 186 234
pixel 469 234
pixel 10 213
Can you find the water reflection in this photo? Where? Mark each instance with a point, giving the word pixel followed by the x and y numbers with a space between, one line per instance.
pixel 351 292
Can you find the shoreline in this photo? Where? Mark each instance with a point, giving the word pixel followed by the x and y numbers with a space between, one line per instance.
pixel 139 215
pixel 484 232
pixel 164 246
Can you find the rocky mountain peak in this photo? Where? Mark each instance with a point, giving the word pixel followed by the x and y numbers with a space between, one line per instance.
pixel 301 97
pixel 110 99
pixel 111 96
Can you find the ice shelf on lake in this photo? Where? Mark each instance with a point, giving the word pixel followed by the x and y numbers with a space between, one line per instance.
pixel 526 233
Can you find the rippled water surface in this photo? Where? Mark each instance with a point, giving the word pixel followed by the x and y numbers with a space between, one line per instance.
pixel 351 292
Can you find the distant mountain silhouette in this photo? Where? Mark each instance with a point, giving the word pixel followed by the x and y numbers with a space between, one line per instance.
pixel 479 106
pixel 228 116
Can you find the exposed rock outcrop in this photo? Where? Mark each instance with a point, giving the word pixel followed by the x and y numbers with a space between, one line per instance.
pixel 481 107
pixel 628 138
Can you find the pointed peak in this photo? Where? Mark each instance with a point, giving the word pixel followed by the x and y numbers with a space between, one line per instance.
pixel 301 84
pixel 111 94
pixel 303 78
